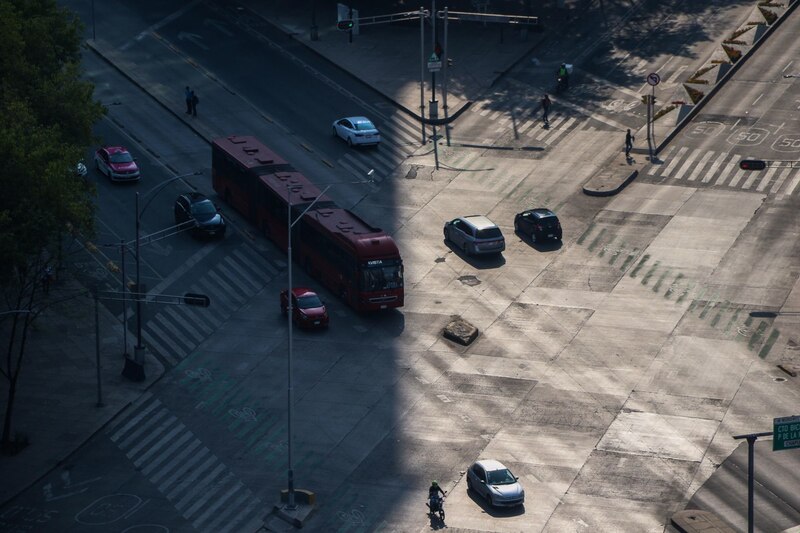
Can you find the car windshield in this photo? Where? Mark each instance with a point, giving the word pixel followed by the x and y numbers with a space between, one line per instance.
pixel 203 209
pixel 121 157
pixel 500 477
pixel 364 125
pixel 489 233
pixel 382 277
pixel 309 301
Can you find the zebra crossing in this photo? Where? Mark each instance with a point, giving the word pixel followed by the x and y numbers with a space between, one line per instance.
pixel 200 486
pixel 400 137
pixel 174 331
pixel 707 167
pixel 530 127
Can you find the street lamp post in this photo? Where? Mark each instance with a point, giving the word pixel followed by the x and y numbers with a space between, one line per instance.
pixel 290 504
pixel 290 224
pixel 134 369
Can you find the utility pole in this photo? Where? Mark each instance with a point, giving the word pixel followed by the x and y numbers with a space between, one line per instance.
pixel 422 70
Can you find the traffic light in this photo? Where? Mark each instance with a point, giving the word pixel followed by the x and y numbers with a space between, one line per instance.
pixel 345 25
pixel 752 164
pixel 200 300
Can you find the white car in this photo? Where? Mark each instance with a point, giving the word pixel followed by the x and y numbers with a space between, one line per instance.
pixel 357 131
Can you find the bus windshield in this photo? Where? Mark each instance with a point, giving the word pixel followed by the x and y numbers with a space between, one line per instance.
pixel 380 275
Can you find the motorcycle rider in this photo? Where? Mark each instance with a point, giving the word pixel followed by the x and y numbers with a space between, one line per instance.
pixel 563 76
pixel 434 497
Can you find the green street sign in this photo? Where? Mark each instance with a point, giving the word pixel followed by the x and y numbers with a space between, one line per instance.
pixel 785 433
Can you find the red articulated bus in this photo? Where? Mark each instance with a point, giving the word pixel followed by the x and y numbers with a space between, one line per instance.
pixel 358 262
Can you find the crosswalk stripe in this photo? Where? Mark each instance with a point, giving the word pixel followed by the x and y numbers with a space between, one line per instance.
pixel 132 408
pixel 362 168
pixel 210 318
pixel 168 452
pixel 560 131
pixel 205 490
pixel 765 179
pixel 790 189
pixel 172 314
pixel 180 487
pixel 779 181
pixel 155 345
pixel 686 164
pixel 158 445
pixel 153 435
pixel 249 285
pixel 195 318
pixel 238 502
pixel 652 170
pixel 261 267
pixel 674 161
pixel 251 525
pixel 731 166
pixel 174 332
pixel 141 428
pixel 155 336
pixel 177 464
pixel 232 296
pixel 700 165
pixel 736 177
pixel 714 167
pixel 525 126
pixel 217 504
pixel 233 280
pixel 135 420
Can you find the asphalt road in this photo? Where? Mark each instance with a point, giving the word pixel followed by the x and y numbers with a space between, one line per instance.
pixel 609 375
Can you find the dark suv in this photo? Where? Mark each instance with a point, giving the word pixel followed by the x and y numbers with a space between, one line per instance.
pixel 541 224
pixel 194 207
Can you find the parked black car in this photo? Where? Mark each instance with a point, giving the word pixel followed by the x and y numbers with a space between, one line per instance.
pixel 540 224
pixel 196 207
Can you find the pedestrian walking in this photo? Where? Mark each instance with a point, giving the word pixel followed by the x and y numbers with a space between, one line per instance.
pixel 545 110
pixel 188 96
pixel 195 101
pixel 628 144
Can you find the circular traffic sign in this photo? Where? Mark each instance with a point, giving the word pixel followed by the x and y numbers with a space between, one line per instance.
pixel 653 79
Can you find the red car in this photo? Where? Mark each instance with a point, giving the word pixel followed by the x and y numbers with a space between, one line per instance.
pixel 116 163
pixel 308 311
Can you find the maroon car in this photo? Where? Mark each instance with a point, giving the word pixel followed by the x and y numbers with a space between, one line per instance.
pixel 308 311
pixel 117 163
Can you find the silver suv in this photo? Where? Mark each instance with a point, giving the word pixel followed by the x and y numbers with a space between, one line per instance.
pixel 475 234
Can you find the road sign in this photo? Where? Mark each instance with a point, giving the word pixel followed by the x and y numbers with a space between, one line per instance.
pixel 785 433
pixel 434 63
pixel 653 79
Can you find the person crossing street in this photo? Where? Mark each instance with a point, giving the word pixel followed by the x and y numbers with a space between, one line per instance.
pixel 546 110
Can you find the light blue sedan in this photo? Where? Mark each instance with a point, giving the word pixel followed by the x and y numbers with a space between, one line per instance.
pixel 357 131
pixel 493 481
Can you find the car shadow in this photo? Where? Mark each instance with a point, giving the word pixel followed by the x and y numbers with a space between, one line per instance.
pixel 481 262
pixel 541 246
pixel 495 512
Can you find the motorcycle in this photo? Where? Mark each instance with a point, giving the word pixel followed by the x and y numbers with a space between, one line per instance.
pixel 562 83
pixel 436 507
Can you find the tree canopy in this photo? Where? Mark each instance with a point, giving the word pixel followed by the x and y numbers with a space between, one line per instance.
pixel 48 112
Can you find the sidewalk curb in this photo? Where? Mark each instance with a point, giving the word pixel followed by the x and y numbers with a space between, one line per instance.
pixel 611 191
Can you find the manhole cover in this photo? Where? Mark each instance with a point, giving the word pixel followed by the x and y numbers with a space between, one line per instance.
pixel 469 280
